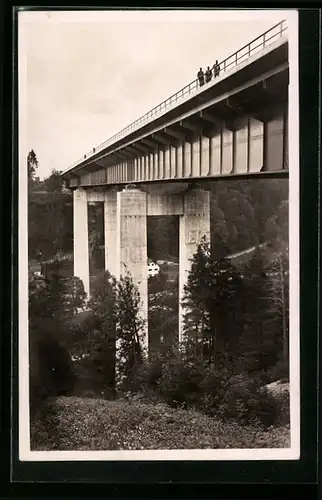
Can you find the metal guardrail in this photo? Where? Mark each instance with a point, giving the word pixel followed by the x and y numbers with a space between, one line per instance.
pixel 235 59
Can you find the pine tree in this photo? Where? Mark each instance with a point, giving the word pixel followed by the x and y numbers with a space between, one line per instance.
pixel 226 290
pixel 102 304
pixel 32 164
pixel 277 288
pixel 54 182
pixel 163 316
pixel 130 331
pixel 196 333
pixel 257 346
pixel 51 370
pixel 211 298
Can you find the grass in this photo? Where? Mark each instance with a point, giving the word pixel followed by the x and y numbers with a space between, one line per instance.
pixel 71 423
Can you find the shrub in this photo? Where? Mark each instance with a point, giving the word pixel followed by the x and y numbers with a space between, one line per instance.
pixel 247 402
pixel 215 392
pixel 180 383
pixel 51 372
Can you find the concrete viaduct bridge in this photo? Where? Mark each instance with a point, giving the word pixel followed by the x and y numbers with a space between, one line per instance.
pixel 236 126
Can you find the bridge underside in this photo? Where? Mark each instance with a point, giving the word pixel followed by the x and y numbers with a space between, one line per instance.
pixel 125 233
pixel 241 133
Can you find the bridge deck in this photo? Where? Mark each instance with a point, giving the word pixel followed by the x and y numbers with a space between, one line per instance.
pixel 253 84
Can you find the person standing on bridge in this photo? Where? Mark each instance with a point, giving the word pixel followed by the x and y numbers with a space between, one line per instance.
pixel 208 75
pixel 216 68
pixel 201 77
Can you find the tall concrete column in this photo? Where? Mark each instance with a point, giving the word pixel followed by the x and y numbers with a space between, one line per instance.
pixel 80 221
pixel 131 242
pixel 194 224
pixel 110 206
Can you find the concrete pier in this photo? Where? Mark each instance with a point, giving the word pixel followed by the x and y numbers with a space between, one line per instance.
pixel 80 222
pixel 131 242
pixel 110 231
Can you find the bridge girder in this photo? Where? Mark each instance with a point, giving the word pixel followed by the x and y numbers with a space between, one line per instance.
pixel 165 141
pixel 133 149
pixel 142 147
pixel 191 125
pixel 123 154
pixel 149 142
pixel 172 132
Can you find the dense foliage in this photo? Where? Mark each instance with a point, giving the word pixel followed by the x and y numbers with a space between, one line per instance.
pixel 236 317
pixel 130 330
pixel 50 213
pixel 51 308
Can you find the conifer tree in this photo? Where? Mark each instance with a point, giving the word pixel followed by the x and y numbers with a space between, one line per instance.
pixel 103 321
pixel 102 304
pixel 196 320
pixel 277 288
pixel 210 297
pixel 32 165
pixel 130 325
pixel 258 337
pixel 51 370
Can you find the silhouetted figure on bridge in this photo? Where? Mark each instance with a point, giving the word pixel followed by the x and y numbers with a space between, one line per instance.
pixel 208 75
pixel 201 77
pixel 216 68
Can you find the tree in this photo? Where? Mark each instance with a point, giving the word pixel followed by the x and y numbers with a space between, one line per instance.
pixel 96 237
pixel 163 313
pixel 50 224
pixel 74 296
pixel 211 301
pixel 54 182
pixel 51 372
pixel 225 309
pixel 261 344
pixel 196 319
pixel 277 287
pixel 102 304
pixel 32 164
pixel 130 330
pixel 162 237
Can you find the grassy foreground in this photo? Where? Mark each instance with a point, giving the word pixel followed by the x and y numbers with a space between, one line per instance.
pixel 71 423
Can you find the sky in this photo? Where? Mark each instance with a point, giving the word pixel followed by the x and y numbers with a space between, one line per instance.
pixel 83 76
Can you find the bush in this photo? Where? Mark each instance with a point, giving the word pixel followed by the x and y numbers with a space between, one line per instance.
pixel 180 383
pixel 247 402
pixel 215 392
pixel 95 370
pixel 51 372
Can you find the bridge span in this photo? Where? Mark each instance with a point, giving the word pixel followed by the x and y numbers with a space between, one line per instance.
pixel 234 126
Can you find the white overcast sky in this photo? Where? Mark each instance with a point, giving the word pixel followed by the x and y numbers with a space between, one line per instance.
pixel 86 75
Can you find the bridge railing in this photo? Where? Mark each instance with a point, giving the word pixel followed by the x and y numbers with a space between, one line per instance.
pixel 236 59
